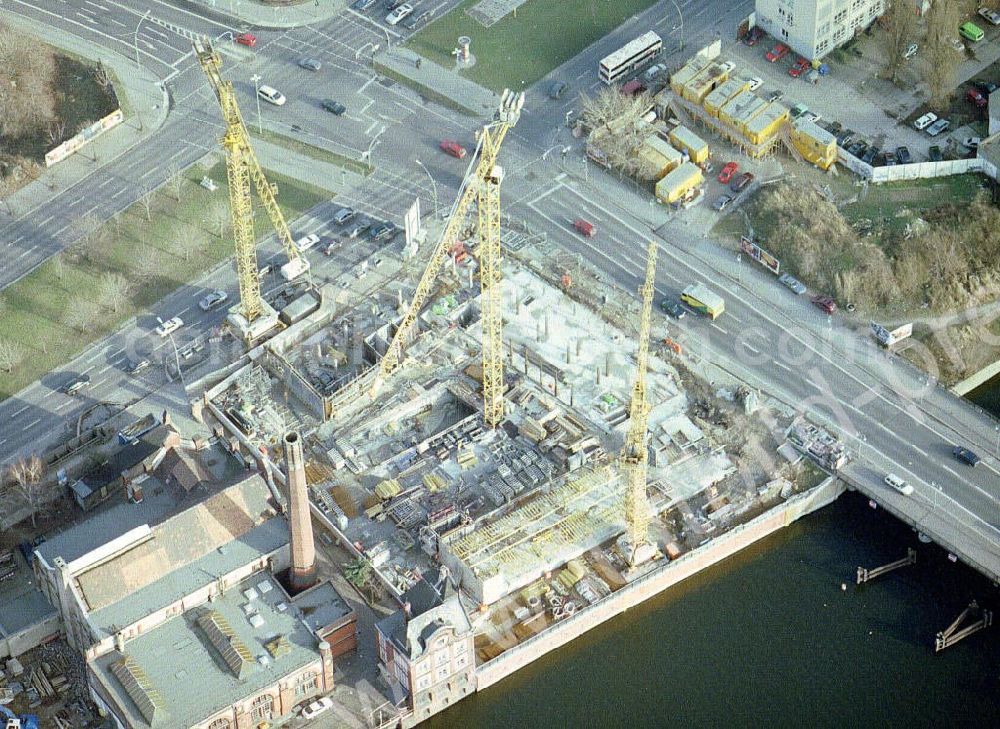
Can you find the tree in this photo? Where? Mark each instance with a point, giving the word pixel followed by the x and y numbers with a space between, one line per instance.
pixel 942 62
pixel 81 313
pixel 27 475
pixel 220 217
pixel 115 290
pixel 56 130
pixel 943 20
pixel 175 183
pixel 146 263
pixel 11 354
pixel 102 76
pixel 58 265
pixel 899 25
pixel 146 200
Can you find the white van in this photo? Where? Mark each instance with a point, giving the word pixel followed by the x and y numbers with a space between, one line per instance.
pixel 271 95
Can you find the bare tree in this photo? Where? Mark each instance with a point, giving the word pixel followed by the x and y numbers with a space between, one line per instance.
pixel 27 476
pixel 102 76
pixel 146 200
pixel 11 354
pixel 56 130
pixel 220 217
pixel 146 262
pixel 115 290
pixel 81 313
pixel 943 20
pixel 899 25
pixel 58 265
pixel 175 183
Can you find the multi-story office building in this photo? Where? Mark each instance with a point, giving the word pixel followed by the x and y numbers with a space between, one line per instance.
pixel 813 28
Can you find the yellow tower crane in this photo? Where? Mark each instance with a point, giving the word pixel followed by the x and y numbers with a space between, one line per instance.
pixel 254 316
pixel 633 456
pixel 482 184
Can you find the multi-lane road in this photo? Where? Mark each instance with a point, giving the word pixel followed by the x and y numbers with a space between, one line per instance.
pixel 892 418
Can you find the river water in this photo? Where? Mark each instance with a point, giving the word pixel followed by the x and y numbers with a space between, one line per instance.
pixel 769 638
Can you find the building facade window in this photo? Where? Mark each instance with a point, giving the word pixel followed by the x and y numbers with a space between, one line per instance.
pixel 306 684
pixel 263 708
pixel 220 723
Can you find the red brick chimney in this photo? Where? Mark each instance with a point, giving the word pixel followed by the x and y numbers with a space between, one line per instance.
pixel 302 573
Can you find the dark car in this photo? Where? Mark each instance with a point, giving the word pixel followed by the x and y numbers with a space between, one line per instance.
pixel 742 182
pixel 334 107
pixel 870 154
pixel 382 231
pixel 934 154
pixel 824 303
pixel 557 89
pixel 672 307
pixel 75 385
pixel 987 87
pixel 360 227
pixel 845 136
pixel 903 155
pixel 310 64
pixel 417 19
pixel 857 148
pixel 888 158
pixel 135 366
pixel 965 456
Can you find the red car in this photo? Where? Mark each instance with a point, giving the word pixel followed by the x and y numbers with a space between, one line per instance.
pixel 633 87
pixel 974 96
pixel 755 34
pixel 585 227
pixel 799 68
pixel 777 53
pixel 453 148
pixel 247 39
pixel 824 303
pixel 727 172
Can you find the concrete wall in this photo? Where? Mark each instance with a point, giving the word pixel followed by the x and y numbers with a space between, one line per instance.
pixel 655 582
pixel 32 636
pixel 913 171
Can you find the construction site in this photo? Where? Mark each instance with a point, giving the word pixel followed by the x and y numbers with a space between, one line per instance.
pixel 518 428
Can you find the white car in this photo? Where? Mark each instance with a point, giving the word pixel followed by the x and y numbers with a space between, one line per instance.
pixel 971 142
pixel 957 44
pixel 991 15
pixel 653 71
pixel 727 66
pixel 925 121
pixel 306 242
pixel 271 95
pixel 317 707
pixel 812 116
pixel 755 83
pixel 398 14
pixel 911 51
pixel 169 326
pixel 212 300
pixel 894 481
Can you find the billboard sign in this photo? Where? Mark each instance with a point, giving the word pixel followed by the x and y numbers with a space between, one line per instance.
pixel 757 253
pixel 71 145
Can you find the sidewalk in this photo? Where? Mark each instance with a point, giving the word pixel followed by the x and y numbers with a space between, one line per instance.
pixel 324 175
pixel 258 14
pixel 436 83
pixel 141 96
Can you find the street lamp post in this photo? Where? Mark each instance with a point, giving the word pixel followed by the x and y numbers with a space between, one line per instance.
pixel 434 189
pixel 177 359
pixel 256 78
pixel 136 38
pixel 681 24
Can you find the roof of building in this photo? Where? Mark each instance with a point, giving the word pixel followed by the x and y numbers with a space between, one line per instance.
pixel 683 135
pixel 255 624
pixel 21 603
pixel 430 607
pixel 322 606
pixel 222 518
pixel 163 497
pixel 662 147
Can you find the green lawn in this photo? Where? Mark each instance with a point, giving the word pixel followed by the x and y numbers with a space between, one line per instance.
pixel 311 150
pixel 57 310
pixel 524 47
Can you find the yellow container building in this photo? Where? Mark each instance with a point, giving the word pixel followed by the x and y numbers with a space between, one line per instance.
pixel 814 143
pixel 718 98
pixel 687 141
pixel 766 124
pixel 679 183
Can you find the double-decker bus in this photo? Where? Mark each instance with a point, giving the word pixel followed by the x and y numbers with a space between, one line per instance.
pixel 632 55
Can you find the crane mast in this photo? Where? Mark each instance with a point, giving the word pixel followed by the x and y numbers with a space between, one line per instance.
pixel 482 185
pixel 633 456
pixel 242 170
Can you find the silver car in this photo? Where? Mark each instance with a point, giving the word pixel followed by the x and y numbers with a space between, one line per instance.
pixel 310 64
pixel 793 283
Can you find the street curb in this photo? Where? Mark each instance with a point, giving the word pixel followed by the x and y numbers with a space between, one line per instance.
pixel 425 91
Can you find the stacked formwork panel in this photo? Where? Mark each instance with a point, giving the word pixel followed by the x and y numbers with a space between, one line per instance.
pixel 815 144
pixel 718 98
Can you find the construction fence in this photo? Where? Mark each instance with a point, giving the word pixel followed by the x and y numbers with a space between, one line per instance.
pixel 914 171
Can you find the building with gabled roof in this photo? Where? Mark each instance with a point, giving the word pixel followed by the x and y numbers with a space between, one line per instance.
pixel 426 648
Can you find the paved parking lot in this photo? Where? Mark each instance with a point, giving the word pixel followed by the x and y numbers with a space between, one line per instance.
pixel 834 97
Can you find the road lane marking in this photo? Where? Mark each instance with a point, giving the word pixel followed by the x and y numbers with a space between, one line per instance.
pixel 716 326
pixel 919 450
